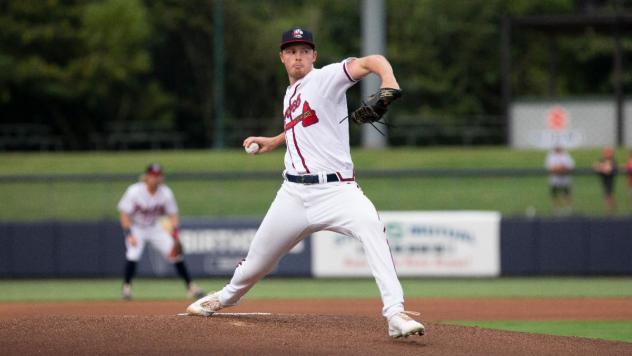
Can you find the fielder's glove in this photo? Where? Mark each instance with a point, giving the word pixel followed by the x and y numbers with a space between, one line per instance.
pixel 176 250
pixel 376 106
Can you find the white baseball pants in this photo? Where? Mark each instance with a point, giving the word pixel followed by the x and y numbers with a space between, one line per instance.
pixel 154 235
pixel 300 210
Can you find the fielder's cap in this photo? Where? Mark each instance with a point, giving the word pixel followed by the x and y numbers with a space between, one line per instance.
pixel 297 35
pixel 154 169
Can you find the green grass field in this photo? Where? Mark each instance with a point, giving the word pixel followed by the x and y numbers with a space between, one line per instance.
pixel 197 198
pixel 615 330
pixel 272 288
pixel 150 288
pixel 509 195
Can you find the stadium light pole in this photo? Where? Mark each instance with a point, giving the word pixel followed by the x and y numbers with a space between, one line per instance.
pixel 373 39
pixel 218 68
pixel 618 85
pixel 505 65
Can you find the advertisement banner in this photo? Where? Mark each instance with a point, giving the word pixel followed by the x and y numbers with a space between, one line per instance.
pixel 216 248
pixel 570 123
pixel 422 244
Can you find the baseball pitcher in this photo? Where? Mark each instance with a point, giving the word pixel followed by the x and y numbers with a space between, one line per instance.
pixel 319 191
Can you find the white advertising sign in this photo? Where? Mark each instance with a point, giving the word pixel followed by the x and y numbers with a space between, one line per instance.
pixel 422 244
pixel 544 124
pixel 217 251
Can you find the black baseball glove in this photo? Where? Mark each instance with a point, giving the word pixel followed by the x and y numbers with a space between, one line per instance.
pixel 376 106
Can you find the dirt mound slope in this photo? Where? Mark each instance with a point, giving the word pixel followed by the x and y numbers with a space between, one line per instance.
pixel 326 327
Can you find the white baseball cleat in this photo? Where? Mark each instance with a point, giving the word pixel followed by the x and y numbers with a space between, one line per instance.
pixel 205 306
pixel 401 325
pixel 126 292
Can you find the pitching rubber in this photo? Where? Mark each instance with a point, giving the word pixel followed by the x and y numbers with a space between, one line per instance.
pixel 226 314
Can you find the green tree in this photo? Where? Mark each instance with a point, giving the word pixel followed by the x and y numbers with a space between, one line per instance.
pixel 114 70
pixel 77 65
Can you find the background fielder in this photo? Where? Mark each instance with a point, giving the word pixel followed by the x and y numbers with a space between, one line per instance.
pixel 141 208
pixel 319 191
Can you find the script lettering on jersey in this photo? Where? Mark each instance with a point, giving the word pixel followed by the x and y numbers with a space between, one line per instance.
pixel 307 118
pixel 154 211
pixel 294 104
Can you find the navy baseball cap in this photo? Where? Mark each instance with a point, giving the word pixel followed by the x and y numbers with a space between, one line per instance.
pixel 297 35
pixel 154 169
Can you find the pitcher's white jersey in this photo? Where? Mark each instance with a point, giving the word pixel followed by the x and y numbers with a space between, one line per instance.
pixel 316 140
pixel 144 208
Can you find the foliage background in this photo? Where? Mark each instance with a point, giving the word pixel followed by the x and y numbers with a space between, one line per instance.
pixel 84 66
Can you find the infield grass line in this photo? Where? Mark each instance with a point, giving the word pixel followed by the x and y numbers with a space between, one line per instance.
pixel 615 330
pixel 297 288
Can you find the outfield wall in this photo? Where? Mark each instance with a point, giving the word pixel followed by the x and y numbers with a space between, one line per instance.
pixel 568 246
pixel 525 246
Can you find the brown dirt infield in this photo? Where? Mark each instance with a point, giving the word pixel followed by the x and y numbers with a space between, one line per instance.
pixel 311 327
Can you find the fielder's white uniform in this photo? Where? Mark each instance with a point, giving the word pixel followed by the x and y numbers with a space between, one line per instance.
pixel 318 145
pixel 145 210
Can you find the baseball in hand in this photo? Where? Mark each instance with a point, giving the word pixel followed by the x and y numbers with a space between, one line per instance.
pixel 253 148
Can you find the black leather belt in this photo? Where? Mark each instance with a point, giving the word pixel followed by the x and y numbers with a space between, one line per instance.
pixel 311 178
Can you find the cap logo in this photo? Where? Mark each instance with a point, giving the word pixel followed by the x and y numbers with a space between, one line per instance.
pixel 298 33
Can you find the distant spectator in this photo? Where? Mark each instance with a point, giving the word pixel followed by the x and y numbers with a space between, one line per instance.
pixel 628 170
pixel 560 164
pixel 606 167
